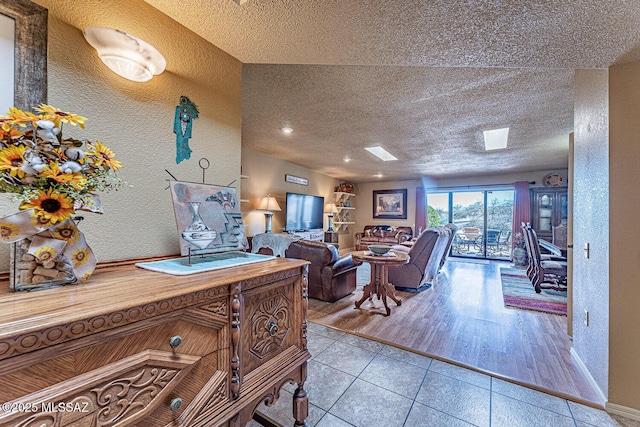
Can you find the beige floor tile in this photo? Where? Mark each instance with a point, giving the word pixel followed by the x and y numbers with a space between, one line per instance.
pixel 421 415
pixel 508 412
pixel 592 416
pixel 406 356
pixel 345 357
pixel 325 384
pixel 456 398
pixel 332 421
pixel 533 397
pixel 357 341
pixel 394 375
pixel 367 405
pixel 462 374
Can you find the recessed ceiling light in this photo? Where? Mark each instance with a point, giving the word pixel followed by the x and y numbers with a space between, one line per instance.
pixel 287 130
pixel 347 159
pixel 495 139
pixel 381 153
pixel 379 175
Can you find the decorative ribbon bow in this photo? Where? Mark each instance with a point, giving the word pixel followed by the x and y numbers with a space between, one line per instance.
pixel 47 243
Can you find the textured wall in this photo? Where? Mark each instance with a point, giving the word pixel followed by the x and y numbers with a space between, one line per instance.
pixel 364 214
pixel 591 223
pixel 136 119
pixel 624 289
pixel 266 176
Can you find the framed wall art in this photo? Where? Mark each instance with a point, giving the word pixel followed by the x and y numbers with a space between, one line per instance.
pixel 390 204
pixel 208 218
pixel 296 179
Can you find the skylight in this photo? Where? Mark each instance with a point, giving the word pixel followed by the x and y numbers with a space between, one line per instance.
pixel 381 153
pixel 496 139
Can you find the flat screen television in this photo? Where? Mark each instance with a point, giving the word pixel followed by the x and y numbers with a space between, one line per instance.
pixel 304 212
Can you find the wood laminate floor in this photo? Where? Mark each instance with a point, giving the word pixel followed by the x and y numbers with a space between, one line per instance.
pixel 462 319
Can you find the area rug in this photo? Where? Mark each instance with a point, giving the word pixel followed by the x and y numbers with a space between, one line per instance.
pixel 518 292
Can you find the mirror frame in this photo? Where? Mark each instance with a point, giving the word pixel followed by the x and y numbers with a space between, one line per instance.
pixel 30 75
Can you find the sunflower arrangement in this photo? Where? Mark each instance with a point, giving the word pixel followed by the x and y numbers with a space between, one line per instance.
pixel 52 175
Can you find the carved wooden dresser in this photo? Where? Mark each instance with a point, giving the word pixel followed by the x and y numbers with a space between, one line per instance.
pixel 133 347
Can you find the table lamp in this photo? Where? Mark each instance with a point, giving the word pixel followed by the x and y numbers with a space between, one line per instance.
pixel 268 204
pixel 330 208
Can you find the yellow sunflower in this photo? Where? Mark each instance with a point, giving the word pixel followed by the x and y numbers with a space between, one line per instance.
pixel 11 159
pixel 76 180
pixel 45 253
pixel 85 276
pixel 57 116
pixel 80 256
pixel 67 232
pixel 17 117
pixel 50 207
pixel 10 133
pixel 105 156
pixel 8 230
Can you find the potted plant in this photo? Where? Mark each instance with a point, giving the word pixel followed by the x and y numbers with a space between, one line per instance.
pixel 520 257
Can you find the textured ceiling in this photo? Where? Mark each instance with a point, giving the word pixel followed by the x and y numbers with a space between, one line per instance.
pixel 421 78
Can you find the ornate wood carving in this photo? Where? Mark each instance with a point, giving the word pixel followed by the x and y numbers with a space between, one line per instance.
pixel 305 305
pixel 207 402
pixel 270 325
pixel 27 342
pixel 87 332
pixel 268 278
pixel 124 390
pixel 235 341
pixel 216 307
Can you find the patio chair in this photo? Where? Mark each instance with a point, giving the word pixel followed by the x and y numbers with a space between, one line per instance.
pixel 493 242
pixel 544 274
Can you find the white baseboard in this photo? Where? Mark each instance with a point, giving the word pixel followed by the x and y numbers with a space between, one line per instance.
pixel 612 408
pixel 592 382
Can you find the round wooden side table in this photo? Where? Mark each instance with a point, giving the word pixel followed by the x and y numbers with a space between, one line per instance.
pixel 379 283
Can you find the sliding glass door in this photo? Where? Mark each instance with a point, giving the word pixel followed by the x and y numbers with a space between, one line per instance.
pixel 483 219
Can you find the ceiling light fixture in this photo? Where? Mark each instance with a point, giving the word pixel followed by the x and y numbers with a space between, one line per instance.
pixel 347 159
pixel 381 153
pixel 124 54
pixel 495 139
pixel 287 130
pixel 379 175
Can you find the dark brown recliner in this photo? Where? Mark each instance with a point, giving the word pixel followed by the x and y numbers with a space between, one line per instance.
pixel 413 275
pixel 331 276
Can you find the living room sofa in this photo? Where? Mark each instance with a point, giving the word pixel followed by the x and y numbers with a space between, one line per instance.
pixel 382 235
pixel 426 255
pixel 331 276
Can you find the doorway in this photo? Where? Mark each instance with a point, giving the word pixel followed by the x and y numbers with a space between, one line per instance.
pixel 483 217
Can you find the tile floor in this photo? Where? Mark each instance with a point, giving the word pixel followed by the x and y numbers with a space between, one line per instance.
pixel 353 381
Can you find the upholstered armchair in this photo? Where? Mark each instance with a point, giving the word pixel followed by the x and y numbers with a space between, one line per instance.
pixel 424 263
pixel 382 235
pixel 331 277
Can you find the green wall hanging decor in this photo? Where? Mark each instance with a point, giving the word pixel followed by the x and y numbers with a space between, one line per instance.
pixel 186 112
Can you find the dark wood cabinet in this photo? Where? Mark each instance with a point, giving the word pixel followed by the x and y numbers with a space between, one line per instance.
pixel 549 208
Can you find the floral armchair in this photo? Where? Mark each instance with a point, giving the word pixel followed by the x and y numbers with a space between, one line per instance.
pixel 382 235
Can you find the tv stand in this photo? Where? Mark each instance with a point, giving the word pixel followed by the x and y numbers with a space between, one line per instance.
pixel 310 235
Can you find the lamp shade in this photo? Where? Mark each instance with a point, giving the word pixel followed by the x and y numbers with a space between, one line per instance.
pixel 330 208
pixel 269 203
pixel 126 55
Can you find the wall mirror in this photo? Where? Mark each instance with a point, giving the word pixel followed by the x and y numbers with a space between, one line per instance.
pixel 30 38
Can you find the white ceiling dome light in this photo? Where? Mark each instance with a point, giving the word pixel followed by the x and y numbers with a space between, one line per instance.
pixel 126 55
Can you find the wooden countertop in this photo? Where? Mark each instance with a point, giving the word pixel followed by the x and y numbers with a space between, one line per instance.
pixel 111 296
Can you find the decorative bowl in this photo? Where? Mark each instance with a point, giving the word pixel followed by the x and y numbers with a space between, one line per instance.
pixel 379 249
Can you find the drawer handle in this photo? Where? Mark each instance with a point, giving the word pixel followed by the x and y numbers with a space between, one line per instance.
pixel 272 328
pixel 175 404
pixel 175 341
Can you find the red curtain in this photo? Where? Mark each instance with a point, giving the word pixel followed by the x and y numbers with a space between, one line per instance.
pixel 521 208
pixel 421 209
